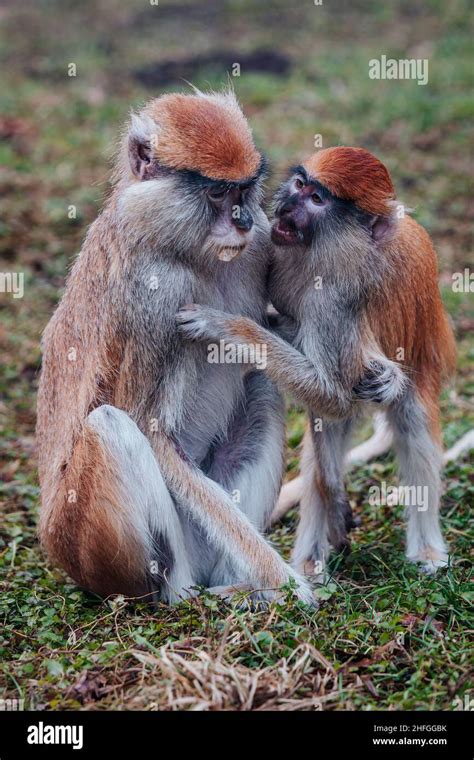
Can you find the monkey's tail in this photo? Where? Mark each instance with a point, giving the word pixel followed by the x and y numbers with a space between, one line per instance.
pixel 290 496
pixel 465 443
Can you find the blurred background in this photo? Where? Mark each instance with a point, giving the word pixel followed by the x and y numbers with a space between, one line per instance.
pixel 303 71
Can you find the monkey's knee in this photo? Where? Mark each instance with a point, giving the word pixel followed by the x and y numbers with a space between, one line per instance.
pixel 114 527
pixel 151 512
pixel 118 432
pixel 92 528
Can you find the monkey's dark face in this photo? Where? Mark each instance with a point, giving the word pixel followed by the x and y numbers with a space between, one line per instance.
pixel 305 210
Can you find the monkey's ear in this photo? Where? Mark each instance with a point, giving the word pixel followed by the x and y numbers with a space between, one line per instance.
pixel 379 228
pixel 141 140
pixel 139 154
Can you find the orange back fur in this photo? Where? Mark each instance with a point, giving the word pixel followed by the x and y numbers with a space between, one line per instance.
pixel 80 366
pixel 408 313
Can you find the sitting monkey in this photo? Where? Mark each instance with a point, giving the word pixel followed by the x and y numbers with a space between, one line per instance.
pixel 141 440
pixel 356 284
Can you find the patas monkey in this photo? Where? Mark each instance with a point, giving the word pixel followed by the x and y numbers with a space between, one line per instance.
pixel 356 279
pixel 158 469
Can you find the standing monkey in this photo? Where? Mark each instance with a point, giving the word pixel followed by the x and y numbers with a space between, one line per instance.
pixel 141 440
pixel 356 284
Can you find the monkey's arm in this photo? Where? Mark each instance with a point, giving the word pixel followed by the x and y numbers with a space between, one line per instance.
pixel 381 382
pixel 284 364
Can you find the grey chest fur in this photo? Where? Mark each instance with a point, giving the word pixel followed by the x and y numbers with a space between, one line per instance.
pixel 192 397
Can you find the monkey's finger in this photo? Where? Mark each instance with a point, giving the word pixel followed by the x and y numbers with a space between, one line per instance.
pixel 194 329
pixel 189 307
pixel 188 312
pixel 189 331
pixel 187 317
pixel 241 595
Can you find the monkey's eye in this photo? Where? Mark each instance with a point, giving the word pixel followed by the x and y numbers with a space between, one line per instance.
pixel 217 196
pixel 316 198
pixel 299 183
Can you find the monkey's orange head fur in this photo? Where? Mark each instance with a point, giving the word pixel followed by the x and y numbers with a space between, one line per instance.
pixel 355 175
pixel 206 133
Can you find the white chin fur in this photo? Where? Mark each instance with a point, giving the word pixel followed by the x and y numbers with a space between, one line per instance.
pixel 227 254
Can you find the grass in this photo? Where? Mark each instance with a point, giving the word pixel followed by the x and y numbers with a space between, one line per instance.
pixel 384 637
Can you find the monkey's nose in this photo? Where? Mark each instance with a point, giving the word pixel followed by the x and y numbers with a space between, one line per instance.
pixel 244 222
pixel 287 207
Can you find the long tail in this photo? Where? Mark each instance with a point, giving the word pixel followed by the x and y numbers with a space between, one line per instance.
pixel 465 443
pixel 375 446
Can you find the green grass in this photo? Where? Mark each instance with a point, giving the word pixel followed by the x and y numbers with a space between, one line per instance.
pixel 384 636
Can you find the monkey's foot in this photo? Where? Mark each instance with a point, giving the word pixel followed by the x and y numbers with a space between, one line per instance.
pixel 248 598
pixel 341 521
pixel 229 593
pixel 431 560
pixel 315 571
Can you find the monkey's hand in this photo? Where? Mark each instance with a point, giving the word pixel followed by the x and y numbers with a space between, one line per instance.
pixel 383 382
pixel 197 322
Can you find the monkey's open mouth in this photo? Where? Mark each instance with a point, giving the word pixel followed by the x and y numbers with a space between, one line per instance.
pixel 230 252
pixel 285 232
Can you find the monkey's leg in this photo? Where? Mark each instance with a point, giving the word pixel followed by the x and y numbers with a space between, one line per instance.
pixel 416 434
pixel 249 463
pixel 225 526
pixel 119 531
pixel 325 513
pixel 377 444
